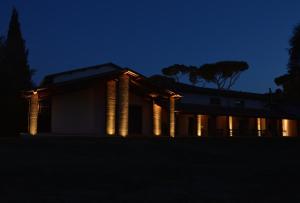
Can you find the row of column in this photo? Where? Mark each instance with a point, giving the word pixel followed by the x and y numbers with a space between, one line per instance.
pixel 288 127
pixel 114 91
pixel 111 106
pixel 33 113
pixel 123 108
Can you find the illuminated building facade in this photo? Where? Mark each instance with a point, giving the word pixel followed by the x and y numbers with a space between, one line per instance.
pixel 107 100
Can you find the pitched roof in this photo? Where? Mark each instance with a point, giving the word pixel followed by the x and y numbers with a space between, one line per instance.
pixel 185 88
pixel 79 73
pixel 267 112
pixel 76 78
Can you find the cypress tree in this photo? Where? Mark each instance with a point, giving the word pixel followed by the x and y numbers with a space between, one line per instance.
pixel 2 51
pixel 16 75
pixel 16 55
pixel 291 80
pixel 294 52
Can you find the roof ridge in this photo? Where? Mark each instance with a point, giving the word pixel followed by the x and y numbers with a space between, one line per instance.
pixel 82 69
pixel 216 90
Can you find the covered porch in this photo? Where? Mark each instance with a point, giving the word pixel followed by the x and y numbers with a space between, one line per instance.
pixel 212 121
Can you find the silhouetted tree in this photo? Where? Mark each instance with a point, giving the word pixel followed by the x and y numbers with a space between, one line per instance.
pixel 176 71
pixel 224 73
pixel 2 51
pixel 16 77
pixel 194 76
pixel 16 55
pixel 294 51
pixel 291 81
pixel 162 81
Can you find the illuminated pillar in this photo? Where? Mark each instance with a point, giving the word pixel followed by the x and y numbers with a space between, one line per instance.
pixel 259 126
pixel 172 116
pixel 230 126
pixel 111 108
pixel 156 119
pixel 123 104
pixel 199 126
pixel 33 113
pixel 285 127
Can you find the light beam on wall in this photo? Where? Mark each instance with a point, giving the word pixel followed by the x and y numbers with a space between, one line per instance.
pixel 285 127
pixel 230 126
pixel 123 104
pixel 199 126
pixel 259 126
pixel 33 113
pixel 156 119
pixel 111 108
pixel 172 116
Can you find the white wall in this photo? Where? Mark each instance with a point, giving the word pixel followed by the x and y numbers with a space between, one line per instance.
pixel 79 112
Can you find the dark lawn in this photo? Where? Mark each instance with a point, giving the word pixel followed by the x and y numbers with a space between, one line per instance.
pixel 150 170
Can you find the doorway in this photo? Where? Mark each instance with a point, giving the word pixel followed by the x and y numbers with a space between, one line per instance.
pixel 135 120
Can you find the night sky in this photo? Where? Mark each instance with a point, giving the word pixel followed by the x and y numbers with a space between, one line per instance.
pixel 150 35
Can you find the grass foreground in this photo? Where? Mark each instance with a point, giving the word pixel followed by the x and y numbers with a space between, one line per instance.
pixel 70 169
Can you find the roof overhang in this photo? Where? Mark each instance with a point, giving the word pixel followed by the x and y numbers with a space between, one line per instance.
pixel 49 87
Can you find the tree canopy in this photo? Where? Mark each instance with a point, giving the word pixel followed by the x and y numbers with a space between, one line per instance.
pixel 224 74
pixel 176 71
pixel 2 51
pixel 294 51
pixel 291 80
pixel 162 80
pixel 16 55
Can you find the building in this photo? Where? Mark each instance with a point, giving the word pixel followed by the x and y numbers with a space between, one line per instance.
pixel 107 100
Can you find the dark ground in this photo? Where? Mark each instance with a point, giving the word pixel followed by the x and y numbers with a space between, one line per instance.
pixel 150 170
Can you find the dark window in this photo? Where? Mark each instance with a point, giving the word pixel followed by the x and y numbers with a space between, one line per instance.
pixel 191 126
pixel 135 119
pixel 239 103
pixel 215 101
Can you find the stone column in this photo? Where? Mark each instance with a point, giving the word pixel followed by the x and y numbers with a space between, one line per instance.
pixel 156 119
pixel 33 113
pixel 172 116
pixel 259 127
pixel 199 125
pixel 230 124
pixel 285 127
pixel 123 104
pixel 111 108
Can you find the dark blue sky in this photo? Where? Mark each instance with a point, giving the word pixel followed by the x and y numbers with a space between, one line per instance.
pixel 149 35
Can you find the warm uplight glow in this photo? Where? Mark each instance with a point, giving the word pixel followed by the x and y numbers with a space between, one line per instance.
pixel 33 113
pixel 172 116
pixel 111 108
pixel 129 72
pixel 156 119
pixel 199 125
pixel 285 127
pixel 259 126
pixel 230 126
pixel 123 105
